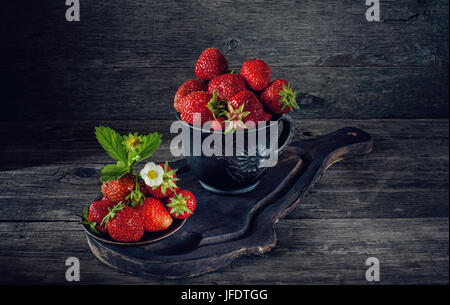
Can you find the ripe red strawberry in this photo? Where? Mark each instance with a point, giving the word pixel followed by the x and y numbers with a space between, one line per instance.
pixel 124 223
pixel 247 102
pixel 210 64
pixel 118 190
pixel 143 188
pixel 256 73
pixel 187 87
pixel 227 85
pixel 154 215
pixel 167 186
pixel 196 102
pixel 279 97
pixel 97 211
pixel 181 204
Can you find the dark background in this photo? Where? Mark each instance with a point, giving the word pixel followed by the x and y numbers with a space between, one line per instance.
pixel 121 65
pixel 125 59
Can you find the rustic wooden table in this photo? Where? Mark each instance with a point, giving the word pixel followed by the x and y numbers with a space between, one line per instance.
pixel 391 204
pixel 120 66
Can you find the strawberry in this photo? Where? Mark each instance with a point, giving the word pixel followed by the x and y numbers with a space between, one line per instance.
pixel 256 73
pixel 248 108
pixel 118 190
pixel 210 64
pixel 279 97
pixel 154 215
pixel 124 223
pixel 94 213
pixel 98 211
pixel 143 188
pixel 227 85
pixel 186 88
pixel 196 102
pixel 181 204
pixel 167 186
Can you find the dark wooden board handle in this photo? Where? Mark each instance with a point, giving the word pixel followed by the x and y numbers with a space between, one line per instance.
pixel 315 156
pixel 333 147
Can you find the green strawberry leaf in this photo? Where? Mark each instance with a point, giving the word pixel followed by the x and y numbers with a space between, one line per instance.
pixel 112 143
pixel 150 143
pixel 113 172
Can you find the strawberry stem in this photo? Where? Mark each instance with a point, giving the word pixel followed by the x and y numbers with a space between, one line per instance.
pixel 216 106
pixel 135 196
pixel 112 213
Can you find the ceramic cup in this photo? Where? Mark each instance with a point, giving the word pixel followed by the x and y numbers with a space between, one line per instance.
pixel 241 170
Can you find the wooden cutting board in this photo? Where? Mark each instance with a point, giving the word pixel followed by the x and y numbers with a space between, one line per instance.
pixel 225 227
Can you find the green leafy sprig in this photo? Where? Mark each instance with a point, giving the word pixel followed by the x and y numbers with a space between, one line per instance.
pixel 127 151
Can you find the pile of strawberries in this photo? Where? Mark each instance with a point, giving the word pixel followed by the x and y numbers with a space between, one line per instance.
pixel 232 101
pixel 135 203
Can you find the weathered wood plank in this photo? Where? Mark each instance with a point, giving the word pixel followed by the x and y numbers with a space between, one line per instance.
pixel 410 158
pixel 67 181
pixel 117 63
pixel 77 135
pixel 411 251
pixel 147 93
pixel 173 33
pixel 56 197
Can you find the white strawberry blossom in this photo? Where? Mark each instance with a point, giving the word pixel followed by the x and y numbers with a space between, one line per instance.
pixel 152 174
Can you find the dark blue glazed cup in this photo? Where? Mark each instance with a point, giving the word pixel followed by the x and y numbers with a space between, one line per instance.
pixel 240 172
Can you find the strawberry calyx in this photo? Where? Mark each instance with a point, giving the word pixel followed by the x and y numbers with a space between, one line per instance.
pixel 288 97
pixel 178 204
pixel 169 182
pixel 216 106
pixel 112 213
pixel 85 221
pixel 234 118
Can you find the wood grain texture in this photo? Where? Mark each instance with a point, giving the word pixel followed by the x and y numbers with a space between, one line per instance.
pixel 145 93
pixel 125 61
pixel 309 251
pixel 172 33
pixel 400 214
pixel 409 156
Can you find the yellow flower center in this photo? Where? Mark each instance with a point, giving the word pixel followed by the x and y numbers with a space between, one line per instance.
pixel 152 174
pixel 133 142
